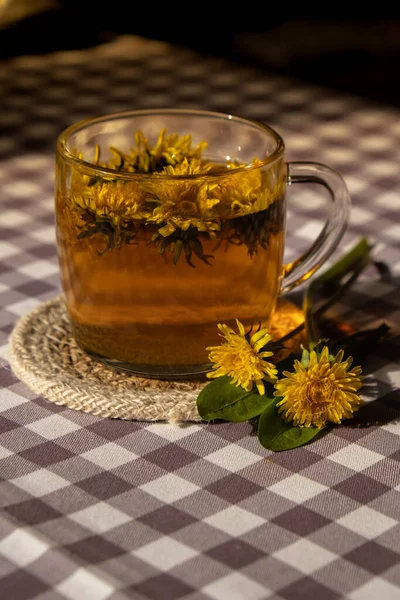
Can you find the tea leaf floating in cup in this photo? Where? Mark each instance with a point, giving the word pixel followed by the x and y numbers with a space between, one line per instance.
pixel 294 400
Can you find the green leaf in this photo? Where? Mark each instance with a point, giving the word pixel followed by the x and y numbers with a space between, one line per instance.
pixel 276 435
pixel 220 399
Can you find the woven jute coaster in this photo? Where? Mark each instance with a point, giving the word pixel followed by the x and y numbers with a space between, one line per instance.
pixel 44 355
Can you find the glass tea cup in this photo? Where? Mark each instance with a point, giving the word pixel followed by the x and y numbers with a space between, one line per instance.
pixel 171 221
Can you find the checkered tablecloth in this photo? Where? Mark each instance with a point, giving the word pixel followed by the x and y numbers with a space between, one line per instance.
pixel 96 509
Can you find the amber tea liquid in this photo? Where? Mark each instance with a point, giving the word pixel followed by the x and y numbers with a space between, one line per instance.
pixel 131 304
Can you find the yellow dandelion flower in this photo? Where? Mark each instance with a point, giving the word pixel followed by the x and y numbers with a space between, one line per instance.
pixel 247 191
pixel 182 203
pixel 323 391
pixel 145 158
pixel 112 209
pixel 240 358
pixel 173 149
pixel 118 201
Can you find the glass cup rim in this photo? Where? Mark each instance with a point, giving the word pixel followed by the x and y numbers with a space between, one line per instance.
pixel 90 167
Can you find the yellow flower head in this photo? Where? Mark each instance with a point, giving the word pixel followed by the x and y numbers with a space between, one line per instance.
pixel 247 191
pixel 241 359
pixel 325 390
pixel 182 203
pixel 145 158
pixel 117 201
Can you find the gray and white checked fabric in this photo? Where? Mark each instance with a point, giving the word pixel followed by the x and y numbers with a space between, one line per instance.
pixel 96 509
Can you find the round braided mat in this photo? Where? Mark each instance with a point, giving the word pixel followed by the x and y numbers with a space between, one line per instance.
pixel 44 355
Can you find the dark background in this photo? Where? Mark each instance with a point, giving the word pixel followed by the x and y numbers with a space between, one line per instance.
pixel 358 54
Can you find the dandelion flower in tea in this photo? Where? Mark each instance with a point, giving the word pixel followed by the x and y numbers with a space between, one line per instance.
pixel 161 242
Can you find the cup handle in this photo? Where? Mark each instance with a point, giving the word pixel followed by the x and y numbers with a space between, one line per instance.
pixel 304 267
